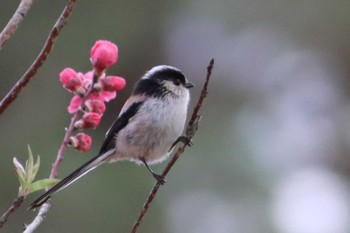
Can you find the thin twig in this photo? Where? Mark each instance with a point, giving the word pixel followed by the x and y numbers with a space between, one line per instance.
pixel 63 147
pixel 15 20
pixel 15 205
pixel 204 93
pixel 190 132
pixel 39 61
pixel 68 134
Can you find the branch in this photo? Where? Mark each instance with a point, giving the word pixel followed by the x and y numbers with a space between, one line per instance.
pixel 44 209
pixel 15 205
pixel 38 219
pixel 190 132
pixel 63 147
pixel 14 22
pixel 39 61
pixel 68 134
pixel 11 96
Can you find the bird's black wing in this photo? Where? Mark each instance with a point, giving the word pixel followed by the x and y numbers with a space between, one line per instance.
pixel 120 123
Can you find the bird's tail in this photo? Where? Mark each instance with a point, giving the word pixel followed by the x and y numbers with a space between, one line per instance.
pixel 85 168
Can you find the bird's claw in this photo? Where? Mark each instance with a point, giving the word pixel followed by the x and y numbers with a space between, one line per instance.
pixel 160 179
pixel 184 139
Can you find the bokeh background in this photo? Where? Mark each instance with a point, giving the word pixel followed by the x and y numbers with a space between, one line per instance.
pixel 272 151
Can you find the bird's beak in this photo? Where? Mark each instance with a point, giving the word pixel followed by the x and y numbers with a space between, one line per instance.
pixel 189 85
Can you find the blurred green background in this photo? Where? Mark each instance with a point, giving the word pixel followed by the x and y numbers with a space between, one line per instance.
pixel 272 151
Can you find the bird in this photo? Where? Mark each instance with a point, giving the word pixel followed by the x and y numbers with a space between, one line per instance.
pixel 148 126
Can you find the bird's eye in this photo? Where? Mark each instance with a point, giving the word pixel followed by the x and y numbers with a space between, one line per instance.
pixel 177 82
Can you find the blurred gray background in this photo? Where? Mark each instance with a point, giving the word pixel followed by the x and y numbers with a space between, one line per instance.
pixel 272 151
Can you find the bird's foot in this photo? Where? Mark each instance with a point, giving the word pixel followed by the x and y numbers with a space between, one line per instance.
pixel 184 139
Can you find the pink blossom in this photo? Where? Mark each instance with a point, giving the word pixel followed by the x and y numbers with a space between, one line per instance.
pixel 95 105
pixel 70 80
pixel 103 55
pixel 94 102
pixel 86 79
pixel 81 142
pixel 74 104
pixel 90 120
pixel 105 95
pixel 108 95
pixel 113 83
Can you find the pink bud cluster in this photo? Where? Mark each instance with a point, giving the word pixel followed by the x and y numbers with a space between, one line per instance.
pixel 91 90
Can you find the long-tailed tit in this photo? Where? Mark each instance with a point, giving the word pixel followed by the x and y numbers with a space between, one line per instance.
pixel 151 120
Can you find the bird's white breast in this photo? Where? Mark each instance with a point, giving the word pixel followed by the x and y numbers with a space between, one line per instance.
pixel 152 131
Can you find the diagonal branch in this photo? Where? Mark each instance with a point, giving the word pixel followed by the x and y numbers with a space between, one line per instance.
pixel 39 61
pixel 15 20
pixel 190 132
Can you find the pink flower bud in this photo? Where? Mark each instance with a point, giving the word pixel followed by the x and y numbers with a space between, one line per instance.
pixel 70 80
pixel 74 104
pixel 81 142
pixel 112 83
pixel 103 55
pixel 95 105
pixel 90 120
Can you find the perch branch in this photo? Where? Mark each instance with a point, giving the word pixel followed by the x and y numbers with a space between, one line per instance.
pixel 39 61
pixel 190 132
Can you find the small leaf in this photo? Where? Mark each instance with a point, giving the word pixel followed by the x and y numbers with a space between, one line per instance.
pixel 36 167
pixel 42 184
pixel 29 166
pixel 19 168
pixel 20 172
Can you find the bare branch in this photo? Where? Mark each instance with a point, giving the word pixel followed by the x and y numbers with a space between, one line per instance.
pixel 14 22
pixel 39 61
pixel 15 205
pixel 190 132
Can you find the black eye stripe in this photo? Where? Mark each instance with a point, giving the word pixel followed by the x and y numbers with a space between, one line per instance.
pixel 171 75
